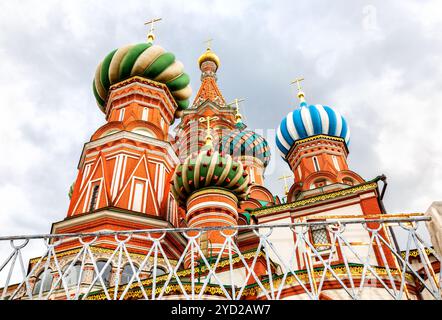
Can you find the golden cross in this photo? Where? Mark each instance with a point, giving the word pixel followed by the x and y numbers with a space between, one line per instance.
pixel 150 36
pixel 236 102
pixel 301 95
pixel 238 115
pixel 208 135
pixel 209 43
pixel 298 83
pixel 286 187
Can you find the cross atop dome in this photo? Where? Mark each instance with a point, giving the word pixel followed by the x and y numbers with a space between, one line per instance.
pixel 209 55
pixel 209 64
pixel 301 94
pixel 238 116
pixel 209 43
pixel 209 137
pixel 150 35
pixel 286 186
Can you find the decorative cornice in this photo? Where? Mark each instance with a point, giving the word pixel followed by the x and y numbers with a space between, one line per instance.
pixel 143 81
pixel 313 138
pixel 312 200
pixel 111 212
pixel 317 137
pixel 96 250
pixel 213 191
pixel 415 253
pixel 130 136
pixel 254 289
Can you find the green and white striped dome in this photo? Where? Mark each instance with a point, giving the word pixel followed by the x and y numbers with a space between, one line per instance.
pixel 145 60
pixel 209 168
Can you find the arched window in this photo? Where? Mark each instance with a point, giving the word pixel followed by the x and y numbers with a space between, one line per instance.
pixel 316 164
pixel 121 114
pixel 44 279
pixel 145 114
pixel 108 133
pixel 105 275
pixel 348 181
pixel 73 275
pixel 94 197
pixel 159 271
pixel 336 163
pixel 127 273
pixel 144 132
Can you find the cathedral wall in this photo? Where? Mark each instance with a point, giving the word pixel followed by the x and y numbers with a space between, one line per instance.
pixel 238 275
pixel 353 233
pixel 282 240
pixel 368 293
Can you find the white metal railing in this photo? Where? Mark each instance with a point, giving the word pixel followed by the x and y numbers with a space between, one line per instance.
pixel 178 264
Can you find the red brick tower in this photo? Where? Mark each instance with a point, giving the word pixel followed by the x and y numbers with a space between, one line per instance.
pixel 209 102
pixel 124 170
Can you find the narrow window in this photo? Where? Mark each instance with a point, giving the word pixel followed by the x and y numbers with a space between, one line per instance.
pixel 137 204
pixel 159 271
pixel 72 276
pixel 145 114
pixel 162 123
pixel 94 198
pixel 348 181
pixel 170 208
pixel 44 280
pixel 252 175
pixel 299 172
pixel 127 273
pixel 320 237
pixel 122 114
pixel 336 163
pixel 316 164
pixel 105 275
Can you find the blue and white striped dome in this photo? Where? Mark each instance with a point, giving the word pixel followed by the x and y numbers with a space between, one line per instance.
pixel 308 121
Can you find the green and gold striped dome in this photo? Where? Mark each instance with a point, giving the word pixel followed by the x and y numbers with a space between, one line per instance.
pixel 145 60
pixel 209 168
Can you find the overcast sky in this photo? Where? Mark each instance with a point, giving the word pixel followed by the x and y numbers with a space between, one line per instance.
pixel 379 64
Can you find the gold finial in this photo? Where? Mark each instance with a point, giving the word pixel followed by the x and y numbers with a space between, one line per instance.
pixel 209 55
pixel 286 186
pixel 208 135
pixel 238 115
pixel 150 35
pixel 301 94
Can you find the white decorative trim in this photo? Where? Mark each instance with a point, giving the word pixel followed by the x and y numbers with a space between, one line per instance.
pixel 367 195
pixel 211 204
pixel 131 136
pixel 114 95
pixel 217 219
pixel 326 207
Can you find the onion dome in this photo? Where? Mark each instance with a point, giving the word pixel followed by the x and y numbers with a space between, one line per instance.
pixel 209 55
pixel 246 143
pixel 308 121
pixel 145 60
pixel 209 168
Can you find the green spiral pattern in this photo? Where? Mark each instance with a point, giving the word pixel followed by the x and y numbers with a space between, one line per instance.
pixel 209 168
pixel 145 60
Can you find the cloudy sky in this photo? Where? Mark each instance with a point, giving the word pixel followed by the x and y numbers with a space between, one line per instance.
pixel 378 63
